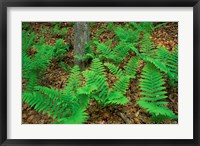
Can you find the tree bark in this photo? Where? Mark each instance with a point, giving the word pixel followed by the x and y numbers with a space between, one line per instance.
pixel 81 37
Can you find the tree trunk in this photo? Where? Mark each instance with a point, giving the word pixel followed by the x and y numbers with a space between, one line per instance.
pixel 81 37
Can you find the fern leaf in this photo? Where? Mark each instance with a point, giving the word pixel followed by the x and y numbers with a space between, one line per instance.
pixel 114 70
pixel 147 45
pixel 97 67
pixel 116 98
pixel 126 34
pixel 86 89
pixel 153 92
pixel 103 49
pixel 122 84
pixel 131 68
pixel 77 117
pixel 74 80
pixel 93 79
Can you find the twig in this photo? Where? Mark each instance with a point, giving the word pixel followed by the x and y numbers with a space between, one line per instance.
pixel 124 117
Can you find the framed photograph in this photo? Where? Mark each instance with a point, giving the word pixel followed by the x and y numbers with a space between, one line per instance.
pixel 99 72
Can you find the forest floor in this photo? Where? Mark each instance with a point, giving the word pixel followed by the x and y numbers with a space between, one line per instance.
pixel 131 113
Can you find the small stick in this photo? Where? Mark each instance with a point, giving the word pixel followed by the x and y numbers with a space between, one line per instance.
pixel 124 117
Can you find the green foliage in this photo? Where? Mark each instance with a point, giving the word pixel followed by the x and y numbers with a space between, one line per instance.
pixel 147 45
pixel 26 26
pixel 131 68
pixel 127 34
pixel 59 31
pixel 27 40
pixel 97 67
pixel 116 55
pixel 88 53
pixel 110 26
pixel 153 93
pixel 171 62
pixel 66 106
pixel 122 84
pixel 97 85
pixel 33 66
pixel 60 49
pixel 146 27
pixel 65 67
pixel 116 71
pixel 164 61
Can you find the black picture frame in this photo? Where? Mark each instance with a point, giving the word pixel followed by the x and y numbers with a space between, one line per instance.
pixel 4 4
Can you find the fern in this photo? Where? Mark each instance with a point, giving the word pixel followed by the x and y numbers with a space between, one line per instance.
pixel 59 31
pixel 66 106
pixel 147 45
pixel 97 67
pixel 126 34
pixel 171 62
pixel 114 70
pixel 122 84
pixel 153 93
pixel 32 67
pixel 116 98
pixel 60 49
pixel 27 40
pixel 145 27
pixel 32 82
pixel 88 53
pixel 120 52
pixel 103 50
pixel 97 85
pixel 79 116
pixel 116 55
pixel 131 68
pixel 65 67
pixel 74 80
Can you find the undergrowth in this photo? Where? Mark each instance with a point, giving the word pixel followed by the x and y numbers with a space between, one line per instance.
pixel 69 105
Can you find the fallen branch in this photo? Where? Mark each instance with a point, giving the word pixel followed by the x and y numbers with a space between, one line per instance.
pixel 124 117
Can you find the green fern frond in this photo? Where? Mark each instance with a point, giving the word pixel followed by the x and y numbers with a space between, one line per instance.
pixel 42 59
pixel 171 62
pixel 50 92
pixel 65 67
pixel 116 98
pixel 74 80
pixel 120 52
pixel 87 89
pixel 32 81
pixel 162 53
pixel 78 117
pixel 60 49
pixel 103 49
pixel 131 67
pixel 153 92
pixel 147 45
pixel 114 70
pixel 121 85
pixel 145 27
pixel 93 79
pixel 97 67
pixel 127 34
pixel 27 40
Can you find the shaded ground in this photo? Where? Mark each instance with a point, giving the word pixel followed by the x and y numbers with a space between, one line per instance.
pixel 56 77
